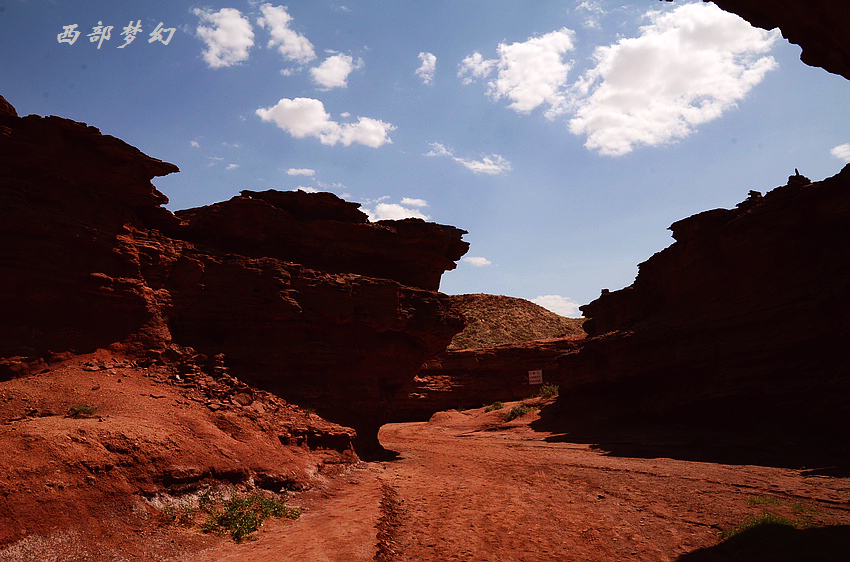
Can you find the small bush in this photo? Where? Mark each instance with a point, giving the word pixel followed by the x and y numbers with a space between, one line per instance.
pixel 242 516
pixel 518 411
pixel 81 411
pixel 548 391
pixel 494 406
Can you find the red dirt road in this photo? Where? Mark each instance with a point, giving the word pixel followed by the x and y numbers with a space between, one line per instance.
pixel 467 486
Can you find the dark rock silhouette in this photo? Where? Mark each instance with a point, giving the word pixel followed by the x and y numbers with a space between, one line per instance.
pixel 743 321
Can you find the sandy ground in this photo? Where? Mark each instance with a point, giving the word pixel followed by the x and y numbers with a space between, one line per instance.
pixel 467 486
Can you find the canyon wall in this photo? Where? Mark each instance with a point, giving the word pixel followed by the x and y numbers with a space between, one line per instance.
pixel 744 319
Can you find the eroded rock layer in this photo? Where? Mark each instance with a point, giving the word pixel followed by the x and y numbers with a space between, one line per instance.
pixel 745 319
pixel 303 295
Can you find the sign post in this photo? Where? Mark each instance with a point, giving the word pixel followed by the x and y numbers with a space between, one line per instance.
pixel 535 377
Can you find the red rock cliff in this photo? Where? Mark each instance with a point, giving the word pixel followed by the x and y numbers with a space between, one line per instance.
pixel 746 317
pixel 302 294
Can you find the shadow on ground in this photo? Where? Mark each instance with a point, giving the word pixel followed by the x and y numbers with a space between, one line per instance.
pixel 779 543
pixel 817 454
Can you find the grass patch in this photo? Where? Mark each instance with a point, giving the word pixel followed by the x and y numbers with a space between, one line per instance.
pixel 239 515
pixel 82 411
pixel 802 519
pixel 518 411
pixel 548 391
pixel 494 406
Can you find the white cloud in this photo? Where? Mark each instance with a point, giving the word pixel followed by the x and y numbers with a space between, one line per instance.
pixel 529 74
pixel 477 66
pixel 428 68
pixel 492 164
pixel 301 172
pixel 232 166
pixel 558 304
pixel 477 261
pixel 306 189
pixel 409 208
pixel 292 45
pixel 593 10
pixel 333 73
pixel 842 151
pixel 306 117
pixel 686 68
pixel 228 36
pixel 413 202
pixel 195 144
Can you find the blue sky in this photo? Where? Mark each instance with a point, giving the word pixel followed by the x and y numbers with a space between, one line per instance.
pixel 565 136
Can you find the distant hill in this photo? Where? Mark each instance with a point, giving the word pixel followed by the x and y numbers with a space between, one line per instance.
pixel 496 320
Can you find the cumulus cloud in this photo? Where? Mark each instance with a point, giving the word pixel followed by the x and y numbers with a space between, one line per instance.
pixel 292 45
pixel 558 304
pixel 477 261
pixel 306 117
pixel 842 151
pixel 492 164
pixel 306 189
pixel 334 71
pixel 530 73
pixel 428 67
pixel 227 34
pixel 300 172
pixel 686 68
pixel 232 166
pixel 195 144
pixel 413 202
pixel 409 208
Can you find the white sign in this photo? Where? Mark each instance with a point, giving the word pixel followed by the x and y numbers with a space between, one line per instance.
pixel 535 377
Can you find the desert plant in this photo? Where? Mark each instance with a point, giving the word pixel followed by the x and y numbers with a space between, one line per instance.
pixel 803 517
pixel 494 406
pixel 241 516
pixel 81 411
pixel 518 411
pixel 548 391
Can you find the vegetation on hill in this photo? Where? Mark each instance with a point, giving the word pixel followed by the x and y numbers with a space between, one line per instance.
pixel 497 320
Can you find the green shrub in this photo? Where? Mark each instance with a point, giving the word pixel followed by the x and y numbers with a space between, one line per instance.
pixel 81 411
pixel 518 411
pixel 548 391
pixel 803 517
pixel 239 515
pixel 242 516
pixel 494 406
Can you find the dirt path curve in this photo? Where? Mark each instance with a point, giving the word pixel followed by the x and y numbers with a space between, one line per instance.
pixel 468 486
pixel 470 489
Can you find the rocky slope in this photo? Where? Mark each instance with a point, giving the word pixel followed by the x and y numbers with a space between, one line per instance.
pixel 505 337
pixel 493 320
pixel 742 322
pixel 303 296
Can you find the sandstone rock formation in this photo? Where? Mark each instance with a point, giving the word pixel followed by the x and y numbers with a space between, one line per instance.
pixel 743 320
pixel 818 27
pixel 302 295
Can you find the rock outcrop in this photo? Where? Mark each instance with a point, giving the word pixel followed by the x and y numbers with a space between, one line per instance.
pixel 818 27
pixel 743 320
pixel 303 296
pixel 471 378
